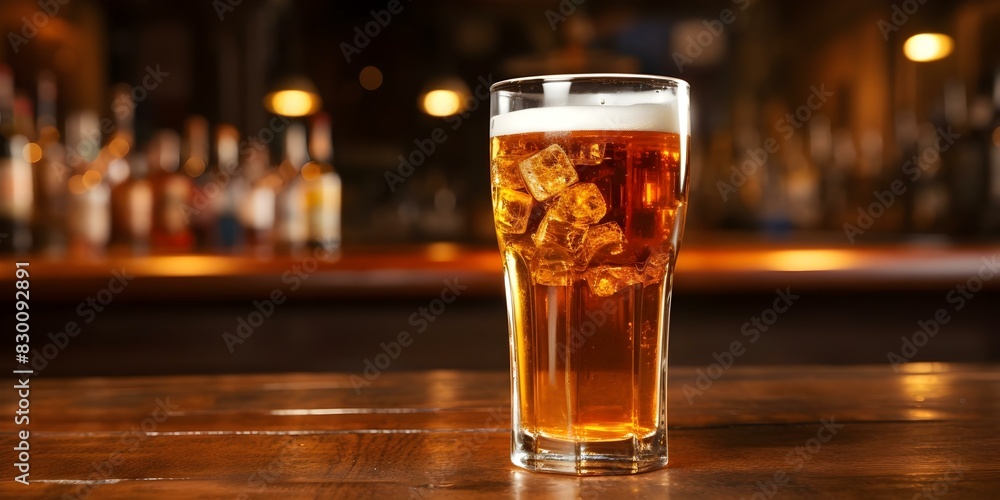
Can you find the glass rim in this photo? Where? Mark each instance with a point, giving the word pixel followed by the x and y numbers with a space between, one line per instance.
pixel 571 77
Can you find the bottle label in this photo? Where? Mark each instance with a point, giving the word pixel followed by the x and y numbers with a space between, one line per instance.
pixel 16 193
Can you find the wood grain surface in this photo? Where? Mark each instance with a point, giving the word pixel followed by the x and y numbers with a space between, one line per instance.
pixel 777 432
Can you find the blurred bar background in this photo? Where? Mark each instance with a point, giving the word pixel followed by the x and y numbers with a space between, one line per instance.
pixel 337 153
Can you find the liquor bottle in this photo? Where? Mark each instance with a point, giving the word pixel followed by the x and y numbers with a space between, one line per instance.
pixel 171 194
pixel 257 208
pixel 16 190
pixel 930 190
pixel 132 198
pixel 50 173
pixel 907 135
pixel 89 215
pixel 832 182
pixel 195 165
pixel 991 210
pixel 230 187
pixel 323 187
pixel 292 223
pixel 122 137
pixel 931 193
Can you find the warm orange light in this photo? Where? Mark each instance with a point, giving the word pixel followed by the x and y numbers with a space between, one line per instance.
pixel 32 152
pixel 311 171
pixel 444 96
pixel 928 47
pixel 923 367
pixel 188 265
pixel 442 102
pixel 442 252
pixel 194 167
pixel 76 185
pixel 118 147
pixel 651 194
pixel 292 102
pixel 48 133
pixel 287 170
pixel 91 178
pixel 807 260
pixel 370 77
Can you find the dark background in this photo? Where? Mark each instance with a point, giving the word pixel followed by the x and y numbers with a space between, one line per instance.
pixel 762 66
pixel 222 60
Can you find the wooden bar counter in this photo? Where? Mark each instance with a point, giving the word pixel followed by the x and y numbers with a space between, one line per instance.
pixel 417 270
pixel 931 431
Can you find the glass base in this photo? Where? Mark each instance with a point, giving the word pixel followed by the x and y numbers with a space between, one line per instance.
pixel 593 458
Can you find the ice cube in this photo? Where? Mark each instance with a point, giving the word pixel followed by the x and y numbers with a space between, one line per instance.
pixel 547 172
pixel 656 265
pixel 606 238
pixel 605 281
pixel 512 210
pixel 552 267
pixel 581 204
pixel 586 153
pixel 555 233
pixel 520 245
pixel 505 173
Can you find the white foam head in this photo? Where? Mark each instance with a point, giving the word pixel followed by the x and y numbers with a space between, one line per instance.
pixel 652 110
pixel 634 117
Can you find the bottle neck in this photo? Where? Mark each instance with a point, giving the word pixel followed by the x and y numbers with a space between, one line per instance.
pixel 227 149
pixel 6 106
pixel 320 142
pixel 196 147
pixel 296 151
pixel 47 95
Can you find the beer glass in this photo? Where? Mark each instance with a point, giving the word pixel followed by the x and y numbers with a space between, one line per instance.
pixel 589 177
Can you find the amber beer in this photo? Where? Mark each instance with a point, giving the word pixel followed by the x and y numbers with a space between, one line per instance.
pixel 589 206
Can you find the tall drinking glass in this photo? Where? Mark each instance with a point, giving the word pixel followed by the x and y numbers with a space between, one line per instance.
pixel 589 178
